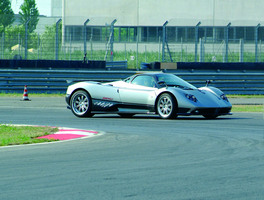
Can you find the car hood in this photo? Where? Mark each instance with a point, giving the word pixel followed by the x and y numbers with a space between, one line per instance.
pixel 205 98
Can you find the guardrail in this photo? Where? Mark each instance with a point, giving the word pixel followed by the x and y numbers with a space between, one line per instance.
pixel 116 65
pixel 55 81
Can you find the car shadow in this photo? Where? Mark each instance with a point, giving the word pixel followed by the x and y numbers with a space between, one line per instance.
pixel 156 117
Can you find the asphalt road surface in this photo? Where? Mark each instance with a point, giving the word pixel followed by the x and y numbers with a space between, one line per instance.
pixel 143 157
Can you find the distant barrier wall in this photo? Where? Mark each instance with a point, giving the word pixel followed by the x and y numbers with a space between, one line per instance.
pixel 102 65
pixel 56 81
pixel 51 64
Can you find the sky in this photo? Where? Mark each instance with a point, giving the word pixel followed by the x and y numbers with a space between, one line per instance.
pixel 44 6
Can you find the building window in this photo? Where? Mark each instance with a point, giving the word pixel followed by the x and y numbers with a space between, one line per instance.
pixel 231 33
pixel 155 34
pixel 190 33
pixel 261 34
pixel 124 34
pixel 249 34
pixel 73 33
pixel 77 34
pixel 239 33
pixel 171 34
pixel 180 34
pixel 152 34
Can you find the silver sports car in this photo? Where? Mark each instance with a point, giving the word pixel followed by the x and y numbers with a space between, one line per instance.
pixel 158 93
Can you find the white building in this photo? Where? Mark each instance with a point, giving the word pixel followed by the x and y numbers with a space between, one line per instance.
pixel 145 18
pixel 56 8
pixel 155 13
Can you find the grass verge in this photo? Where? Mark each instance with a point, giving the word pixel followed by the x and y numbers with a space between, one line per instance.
pixel 31 95
pixel 244 96
pixel 15 135
pixel 248 108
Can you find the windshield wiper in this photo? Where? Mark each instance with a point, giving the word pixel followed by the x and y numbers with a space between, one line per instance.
pixel 181 86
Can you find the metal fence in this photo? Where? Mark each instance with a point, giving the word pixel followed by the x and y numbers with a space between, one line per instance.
pixel 56 81
pixel 53 40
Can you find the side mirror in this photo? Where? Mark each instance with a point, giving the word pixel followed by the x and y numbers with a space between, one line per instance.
pixel 208 82
pixel 162 84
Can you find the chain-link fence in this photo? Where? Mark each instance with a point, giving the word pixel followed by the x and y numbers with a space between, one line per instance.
pixel 17 42
pixel 214 44
pixel 55 40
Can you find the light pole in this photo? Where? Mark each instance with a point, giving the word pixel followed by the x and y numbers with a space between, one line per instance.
pixel 164 40
pixel 85 37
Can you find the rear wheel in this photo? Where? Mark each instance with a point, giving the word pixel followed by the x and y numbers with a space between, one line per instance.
pixel 81 104
pixel 167 106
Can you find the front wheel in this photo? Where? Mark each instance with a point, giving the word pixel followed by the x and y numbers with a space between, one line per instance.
pixel 167 106
pixel 81 104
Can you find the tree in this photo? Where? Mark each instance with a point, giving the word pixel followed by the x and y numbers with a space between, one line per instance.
pixel 7 16
pixel 16 35
pixel 29 11
pixel 48 39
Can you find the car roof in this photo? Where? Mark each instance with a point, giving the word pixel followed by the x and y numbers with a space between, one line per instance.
pixel 149 73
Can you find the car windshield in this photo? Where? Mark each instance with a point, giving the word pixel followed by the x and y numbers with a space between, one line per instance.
pixel 172 80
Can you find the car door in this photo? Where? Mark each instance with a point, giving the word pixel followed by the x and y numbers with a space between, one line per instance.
pixel 105 92
pixel 139 92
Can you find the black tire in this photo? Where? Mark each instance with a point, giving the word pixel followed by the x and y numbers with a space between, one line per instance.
pixel 167 106
pixel 81 104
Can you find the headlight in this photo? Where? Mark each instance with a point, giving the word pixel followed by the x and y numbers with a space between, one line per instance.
pixel 223 96
pixel 191 97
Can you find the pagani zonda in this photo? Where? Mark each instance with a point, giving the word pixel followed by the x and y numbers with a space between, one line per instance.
pixel 164 94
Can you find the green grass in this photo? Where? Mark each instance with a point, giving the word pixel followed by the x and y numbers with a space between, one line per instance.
pixel 248 108
pixel 244 96
pixel 31 95
pixel 15 135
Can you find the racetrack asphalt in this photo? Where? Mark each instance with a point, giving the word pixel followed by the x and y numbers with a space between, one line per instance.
pixel 143 157
pixel 69 133
pixel 75 133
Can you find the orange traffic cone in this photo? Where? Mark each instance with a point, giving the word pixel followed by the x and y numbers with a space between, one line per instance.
pixel 25 95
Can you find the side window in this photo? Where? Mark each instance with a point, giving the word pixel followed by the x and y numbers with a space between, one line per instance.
pixel 147 81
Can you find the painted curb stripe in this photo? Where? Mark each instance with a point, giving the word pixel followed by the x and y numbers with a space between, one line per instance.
pixel 68 134
pixel 74 133
pixel 61 136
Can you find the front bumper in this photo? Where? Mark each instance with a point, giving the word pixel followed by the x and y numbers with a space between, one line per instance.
pixel 206 111
pixel 212 111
